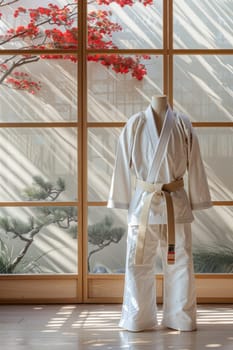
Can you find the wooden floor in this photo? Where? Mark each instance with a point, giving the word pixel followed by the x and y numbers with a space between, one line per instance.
pixel 75 327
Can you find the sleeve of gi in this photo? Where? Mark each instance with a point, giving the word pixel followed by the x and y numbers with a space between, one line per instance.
pixel 199 194
pixel 120 192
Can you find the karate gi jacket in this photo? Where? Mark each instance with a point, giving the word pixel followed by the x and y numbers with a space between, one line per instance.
pixel 180 155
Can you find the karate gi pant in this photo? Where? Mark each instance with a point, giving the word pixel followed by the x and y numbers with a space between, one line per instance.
pixel 139 310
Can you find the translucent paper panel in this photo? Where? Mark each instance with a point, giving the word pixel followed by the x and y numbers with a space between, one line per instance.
pixel 28 24
pixel 114 94
pixel 203 87
pixel 38 240
pixel 217 151
pixel 107 233
pixel 102 144
pixel 119 25
pixel 213 240
pixel 38 88
pixel 38 164
pixel 203 24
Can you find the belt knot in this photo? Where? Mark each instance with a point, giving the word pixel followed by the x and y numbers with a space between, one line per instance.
pixel 159 189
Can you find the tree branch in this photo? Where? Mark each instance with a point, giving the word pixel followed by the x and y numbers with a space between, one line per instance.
pixel 54 192
pixel 22 61
pixel 22 253
pixel 48 20
pixel 95 251
pixel 26 60
pixel 7 60
pixel 8 3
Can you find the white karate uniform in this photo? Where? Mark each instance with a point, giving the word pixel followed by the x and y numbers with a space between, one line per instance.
pixel 144 155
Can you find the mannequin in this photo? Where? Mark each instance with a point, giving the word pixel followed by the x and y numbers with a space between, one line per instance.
pixel 159 158
pixel 159 104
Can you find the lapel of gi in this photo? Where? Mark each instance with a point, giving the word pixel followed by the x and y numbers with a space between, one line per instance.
pixel 159 142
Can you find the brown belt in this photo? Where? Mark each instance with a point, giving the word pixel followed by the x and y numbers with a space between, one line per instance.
pixel 160 190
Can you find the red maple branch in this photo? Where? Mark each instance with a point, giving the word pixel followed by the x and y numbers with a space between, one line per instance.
pixel 123 3
pixel 19 80
pixel 63 34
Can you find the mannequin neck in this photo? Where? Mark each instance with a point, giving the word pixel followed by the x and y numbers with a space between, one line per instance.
pixel 159 104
